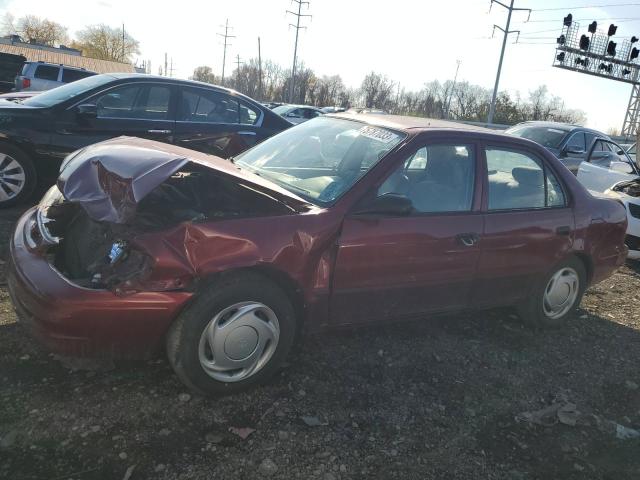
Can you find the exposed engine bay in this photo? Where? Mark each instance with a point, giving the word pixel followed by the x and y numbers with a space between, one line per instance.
pixel 631 188
pixel 100 254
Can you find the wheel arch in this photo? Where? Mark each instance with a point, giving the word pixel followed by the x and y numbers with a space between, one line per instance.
pixel 588 264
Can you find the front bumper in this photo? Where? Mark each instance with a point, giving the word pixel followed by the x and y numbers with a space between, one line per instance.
pixel 77 321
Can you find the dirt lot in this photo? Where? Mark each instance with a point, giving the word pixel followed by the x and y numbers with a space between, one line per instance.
pixel 443 398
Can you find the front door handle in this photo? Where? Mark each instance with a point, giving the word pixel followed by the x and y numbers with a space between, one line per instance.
pixel 253 134
pixel 159 131
pixel 563 230
pixel 468 239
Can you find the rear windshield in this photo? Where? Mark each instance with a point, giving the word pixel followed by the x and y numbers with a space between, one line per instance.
pixel 65 92
pixel 550 137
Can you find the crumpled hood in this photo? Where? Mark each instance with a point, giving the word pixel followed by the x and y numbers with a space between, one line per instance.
pixel 109 179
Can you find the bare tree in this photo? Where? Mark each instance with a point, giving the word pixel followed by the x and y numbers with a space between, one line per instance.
pixel 106 43
pixel 376 91
pixel 35 29
pixel 203 74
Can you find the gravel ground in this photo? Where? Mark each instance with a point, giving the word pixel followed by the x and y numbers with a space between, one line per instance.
pixel 465 397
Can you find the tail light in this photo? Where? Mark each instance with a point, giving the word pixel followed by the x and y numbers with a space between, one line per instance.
pixel 26 82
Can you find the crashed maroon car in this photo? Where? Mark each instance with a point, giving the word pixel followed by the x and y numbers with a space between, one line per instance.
pixel 341 221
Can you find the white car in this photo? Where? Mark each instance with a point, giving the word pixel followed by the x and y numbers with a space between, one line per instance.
pixel 609 170
pixel 297 113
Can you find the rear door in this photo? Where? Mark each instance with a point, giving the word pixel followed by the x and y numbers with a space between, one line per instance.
pixel 214 122
pixel 596 173
pixel 529 224
pixel 393 266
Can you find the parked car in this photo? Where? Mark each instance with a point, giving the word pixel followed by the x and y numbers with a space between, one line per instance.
pixel 272 105
pixel 10 65
pixel 143 244
pixel 297 113
pixel 39 76
pixel 332 109
pixel 39 132
pixel 567 142
pixel 611 171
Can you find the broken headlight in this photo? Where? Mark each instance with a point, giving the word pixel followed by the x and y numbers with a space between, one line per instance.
pixel 45 214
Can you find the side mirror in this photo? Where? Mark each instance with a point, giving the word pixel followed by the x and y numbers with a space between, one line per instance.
pixel 621 167
pixel 387 204
pixel 87 110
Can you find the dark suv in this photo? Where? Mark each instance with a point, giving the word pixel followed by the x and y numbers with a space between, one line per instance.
pixel 37 133
pixel 569 143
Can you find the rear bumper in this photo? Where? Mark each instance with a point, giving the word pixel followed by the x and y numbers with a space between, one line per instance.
pixel 77 321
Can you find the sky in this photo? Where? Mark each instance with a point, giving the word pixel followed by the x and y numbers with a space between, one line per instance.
pixel 411 41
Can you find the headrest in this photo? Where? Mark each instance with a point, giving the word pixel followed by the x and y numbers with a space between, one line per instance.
pixel 528 176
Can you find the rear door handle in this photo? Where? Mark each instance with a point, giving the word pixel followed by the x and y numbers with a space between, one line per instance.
pixel 563 230
pixel 158 131
pixel 468 239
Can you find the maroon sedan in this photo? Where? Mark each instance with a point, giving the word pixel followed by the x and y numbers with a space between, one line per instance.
pixel 343 220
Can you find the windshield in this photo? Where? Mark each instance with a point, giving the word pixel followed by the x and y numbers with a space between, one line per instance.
pixel 321 159
pixel 547 136
pixel 65 92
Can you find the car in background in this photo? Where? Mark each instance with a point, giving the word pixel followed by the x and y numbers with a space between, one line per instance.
pixel 610 170
pixel 297 113
pixel 332 109
pixel 567 142
pixel 272 105
pixel 343 221
pixel 40 76
pixel 10 65
pixel 38 132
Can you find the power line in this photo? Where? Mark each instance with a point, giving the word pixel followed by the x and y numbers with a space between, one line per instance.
pixel 617 19
pixel 506 33
pixel 587 6
pixel 297 26
pixel 226 36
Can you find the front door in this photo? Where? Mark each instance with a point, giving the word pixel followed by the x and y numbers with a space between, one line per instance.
pixel 394 266
pixel 135 109
pixel 528 226
pixel 215 122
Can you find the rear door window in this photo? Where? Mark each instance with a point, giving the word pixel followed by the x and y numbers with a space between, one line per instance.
pixel 47 72
pixel 69 75
pixel 143 102
pixel 577 142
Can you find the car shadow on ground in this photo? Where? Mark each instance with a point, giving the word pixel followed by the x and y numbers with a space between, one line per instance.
pixel 441 396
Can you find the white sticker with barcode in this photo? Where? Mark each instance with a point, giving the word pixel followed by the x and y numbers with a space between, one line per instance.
pixel 379 134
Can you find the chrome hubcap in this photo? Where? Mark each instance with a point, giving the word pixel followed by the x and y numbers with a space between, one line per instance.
pixel 561 293
pixel 239 341
pixel 12 177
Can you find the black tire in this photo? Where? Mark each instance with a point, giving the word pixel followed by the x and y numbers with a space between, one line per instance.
pixel 533 312
pixel 30 179
pixel 183 338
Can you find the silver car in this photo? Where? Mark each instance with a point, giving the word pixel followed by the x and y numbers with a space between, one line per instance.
pixel 39 76
pixel 297 113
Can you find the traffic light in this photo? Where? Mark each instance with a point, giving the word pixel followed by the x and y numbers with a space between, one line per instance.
pixel 612 30
pixel 634 39
pixel 582 61
pixel 592 27
pixel 634 53
pixel 611 49
pixel 560 57
pixel 561 39
pixel 605 67
pixel 584 42
pixel 626 72
pixel 568 20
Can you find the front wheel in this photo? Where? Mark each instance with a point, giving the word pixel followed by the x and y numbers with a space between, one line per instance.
pixel 556 296
pixel 17 176
pixel 235 335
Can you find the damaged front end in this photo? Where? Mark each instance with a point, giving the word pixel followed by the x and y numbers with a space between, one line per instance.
pixel 111 194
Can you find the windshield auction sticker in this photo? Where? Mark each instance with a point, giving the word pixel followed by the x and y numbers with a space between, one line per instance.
pixel 379 134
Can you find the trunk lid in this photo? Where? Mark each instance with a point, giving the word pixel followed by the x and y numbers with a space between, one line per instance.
pixel 109 179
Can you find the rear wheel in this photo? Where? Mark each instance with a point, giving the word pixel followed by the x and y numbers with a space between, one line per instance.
pixel 556 296
pixel 17 176
pixel 235 335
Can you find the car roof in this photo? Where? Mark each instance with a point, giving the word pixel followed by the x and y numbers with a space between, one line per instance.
pixel 401 122
pixel 563 126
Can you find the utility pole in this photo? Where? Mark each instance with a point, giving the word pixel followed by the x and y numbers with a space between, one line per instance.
pixel 453 87
pixel 165 64
pixel 238 63
pixel 260 94
pixel 297 26
pixel 226 36
pixel 506 32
